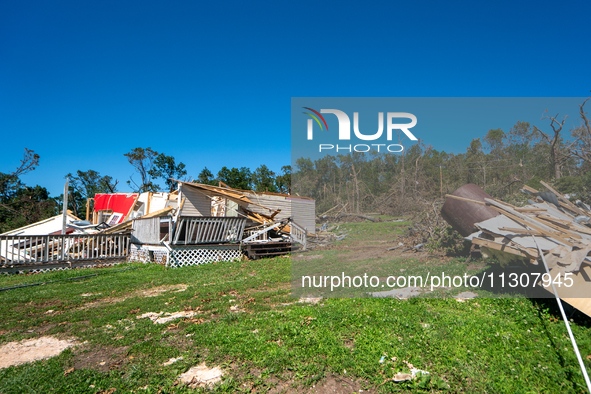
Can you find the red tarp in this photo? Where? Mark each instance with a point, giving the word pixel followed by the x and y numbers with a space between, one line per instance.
pixel 117 202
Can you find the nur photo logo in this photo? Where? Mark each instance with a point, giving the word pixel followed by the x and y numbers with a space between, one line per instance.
pixel 344 133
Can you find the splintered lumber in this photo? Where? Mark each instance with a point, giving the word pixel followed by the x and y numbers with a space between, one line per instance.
pixel 504 203
pixel 555 220
pixel 504 248
pixel 569 225
pixel 526 220
pixel 529 189
pixel 127 225
pixel 520 231
pixel 569 205
pixel 132 208
pixel 335 207
pixel 465 199
pixel 560 228
pixel 526 209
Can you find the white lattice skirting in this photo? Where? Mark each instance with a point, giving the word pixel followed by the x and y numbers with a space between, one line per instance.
pixel 184 256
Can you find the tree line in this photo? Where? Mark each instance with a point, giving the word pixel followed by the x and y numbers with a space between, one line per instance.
pixel 499 161
pixel 153 171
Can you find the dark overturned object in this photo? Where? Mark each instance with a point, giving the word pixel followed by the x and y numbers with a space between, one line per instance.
pixel 463 216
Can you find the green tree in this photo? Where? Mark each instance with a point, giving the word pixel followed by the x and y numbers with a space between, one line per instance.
pixel 85 185
pixel 236 178
pixel 263 179
pixel 19 204
pixel 206 177
pixel 283 181
pixel 494 141
pixel 166 168
pixel 143 161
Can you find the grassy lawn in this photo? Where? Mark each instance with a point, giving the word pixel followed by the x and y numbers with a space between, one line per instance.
pixel 246 321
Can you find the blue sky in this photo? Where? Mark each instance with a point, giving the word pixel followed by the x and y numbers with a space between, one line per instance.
pixel 210 83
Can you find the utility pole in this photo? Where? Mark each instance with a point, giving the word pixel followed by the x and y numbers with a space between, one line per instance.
pixel 65 208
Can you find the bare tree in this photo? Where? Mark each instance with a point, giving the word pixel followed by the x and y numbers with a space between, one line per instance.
pixel 557 158
pixel 581 146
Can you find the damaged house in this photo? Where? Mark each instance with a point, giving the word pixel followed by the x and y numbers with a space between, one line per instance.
pixel 195 224
pixel 213 223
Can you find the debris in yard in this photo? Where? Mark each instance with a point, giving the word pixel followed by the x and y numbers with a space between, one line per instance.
pixel 402 377
pixel 172 361
pixel 507 232
pixel 201 376
pixel 396 247
pixel 466 295
pixel 162 317
pixel 29 350
pixel 415 371
pixel 310 300
pixel 401 294
pixel 236 308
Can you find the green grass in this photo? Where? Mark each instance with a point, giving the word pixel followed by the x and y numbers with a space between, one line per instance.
pixel 481 345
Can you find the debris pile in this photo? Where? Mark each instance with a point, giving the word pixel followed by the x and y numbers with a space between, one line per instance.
pixel 550 224
pixel 327 235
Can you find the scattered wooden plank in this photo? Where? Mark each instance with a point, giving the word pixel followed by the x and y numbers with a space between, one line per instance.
pixel 569 205
pixel 465 199
pixel 525 209
pixel 520 231
pixel 504 202
pixel 555 220
pixel 522 219
pixel 569 225
pixel 148 202
pixel 132 208
pixel 529 189
pixel 560 228
pixel 502 247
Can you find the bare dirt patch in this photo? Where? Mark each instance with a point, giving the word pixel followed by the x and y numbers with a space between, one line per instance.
pixel 179 341
pixel 100 359
pixel 165 317
pixel 332 384
pixel 156 291
pixel 152 292
pixel 29 350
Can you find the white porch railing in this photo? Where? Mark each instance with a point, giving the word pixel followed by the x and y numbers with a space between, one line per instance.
pixel 191 230
pixel 299 234
pixel 27 249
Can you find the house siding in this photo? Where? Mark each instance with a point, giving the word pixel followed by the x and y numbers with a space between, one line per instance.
pixel 196 203
pixel 302 210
